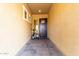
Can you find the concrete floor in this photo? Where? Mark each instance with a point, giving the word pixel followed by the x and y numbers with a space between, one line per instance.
pixel 43 47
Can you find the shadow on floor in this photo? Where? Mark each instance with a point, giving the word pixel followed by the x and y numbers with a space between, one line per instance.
pixel 39 48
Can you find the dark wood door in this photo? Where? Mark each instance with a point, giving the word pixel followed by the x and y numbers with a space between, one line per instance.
pixel 43 27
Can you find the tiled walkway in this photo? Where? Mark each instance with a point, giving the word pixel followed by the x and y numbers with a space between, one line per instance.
pixel 39 48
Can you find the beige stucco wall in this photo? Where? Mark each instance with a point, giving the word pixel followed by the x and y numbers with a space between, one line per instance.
pixel 63 27
pixel 14 30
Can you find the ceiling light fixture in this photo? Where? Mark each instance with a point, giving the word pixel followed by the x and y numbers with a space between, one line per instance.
pixel 39 11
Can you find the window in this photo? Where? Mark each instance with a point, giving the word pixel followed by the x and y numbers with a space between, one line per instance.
pixel 26 15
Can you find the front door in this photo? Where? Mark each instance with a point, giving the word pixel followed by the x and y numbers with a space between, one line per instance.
pixel 43 27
